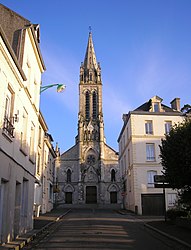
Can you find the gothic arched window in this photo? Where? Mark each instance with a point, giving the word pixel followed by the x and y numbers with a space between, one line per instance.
pixel 69 175
pixel 112 175
pixel 87 105
pixel 94 97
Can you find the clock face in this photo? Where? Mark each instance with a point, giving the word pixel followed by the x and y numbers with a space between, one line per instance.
pixel 91 160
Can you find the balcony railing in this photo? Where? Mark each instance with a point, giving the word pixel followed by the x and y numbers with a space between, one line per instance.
pixel 8 127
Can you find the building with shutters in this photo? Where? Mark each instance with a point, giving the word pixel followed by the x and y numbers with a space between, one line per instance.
pixel 88 173
pixel 23 131
pixel 139 152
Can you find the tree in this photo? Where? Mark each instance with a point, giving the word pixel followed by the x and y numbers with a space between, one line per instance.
pixel 175 153
pixel 186 109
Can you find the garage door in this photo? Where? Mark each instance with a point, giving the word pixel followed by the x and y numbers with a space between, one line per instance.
pixel 152 204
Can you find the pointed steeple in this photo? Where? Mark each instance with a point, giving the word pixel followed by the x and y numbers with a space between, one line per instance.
pixel 90 61
pixel 90 70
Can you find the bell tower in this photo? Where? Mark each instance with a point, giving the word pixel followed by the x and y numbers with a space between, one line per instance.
pixel 90 116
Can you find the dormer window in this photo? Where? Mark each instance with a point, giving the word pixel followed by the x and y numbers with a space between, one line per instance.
pixel 156 107
pixel 155 103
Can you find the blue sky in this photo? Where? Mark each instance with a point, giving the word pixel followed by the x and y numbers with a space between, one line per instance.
pixel 143 46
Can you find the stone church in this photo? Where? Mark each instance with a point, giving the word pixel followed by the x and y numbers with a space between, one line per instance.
pixel 88 172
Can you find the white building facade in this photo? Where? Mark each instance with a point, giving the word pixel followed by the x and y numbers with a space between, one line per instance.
pixel 45 170
pixel 139 152
pixel 21 66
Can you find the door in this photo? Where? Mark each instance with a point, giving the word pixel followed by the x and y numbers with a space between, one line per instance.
pixel 17 209
pixel 152 204
pixel 91 195
pixel 68 197
pixel 113 197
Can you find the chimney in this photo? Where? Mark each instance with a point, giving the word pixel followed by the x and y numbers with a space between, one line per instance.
pixel 124 117
pixel 175 104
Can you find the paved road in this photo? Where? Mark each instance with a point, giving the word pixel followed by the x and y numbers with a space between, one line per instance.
pixel 99 229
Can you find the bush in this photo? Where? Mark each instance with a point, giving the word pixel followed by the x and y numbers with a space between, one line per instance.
pixel 173 213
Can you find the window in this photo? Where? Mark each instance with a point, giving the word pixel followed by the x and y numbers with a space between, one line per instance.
pixel 156 107
pixel 149 127
pixel 50 192
pixel 35 93
pixel 172 200
pixel 8 115
pixel 129 162
pixel 112 175
pixel 28 74
pixel 168 125
pixel 44 184
pixel 125 164
pixel 45 158
pixel 94 105
pixel 23 139
pixel 150 178
pixel 32 137
pixel 39 136
pixel 87 105
pixel 150 152
pixel 50 165
pixel 69 175
pixel 38 164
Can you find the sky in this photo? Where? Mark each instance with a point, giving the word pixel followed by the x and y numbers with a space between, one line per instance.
pixel 143 46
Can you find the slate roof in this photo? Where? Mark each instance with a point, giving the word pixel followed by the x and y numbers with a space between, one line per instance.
pixel 147 105
pixel 13 26
pixel 12 23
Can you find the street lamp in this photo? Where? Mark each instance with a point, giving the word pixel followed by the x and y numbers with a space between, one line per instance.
pixel 60 87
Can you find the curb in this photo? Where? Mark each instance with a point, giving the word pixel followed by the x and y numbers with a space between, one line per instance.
pixel 22 240
pixel 168 236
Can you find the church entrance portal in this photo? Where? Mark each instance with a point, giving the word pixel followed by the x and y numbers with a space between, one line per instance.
pixel 91 195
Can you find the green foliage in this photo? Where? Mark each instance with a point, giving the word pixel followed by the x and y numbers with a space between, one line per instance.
pixel 186 109
pixel 175 153
pixel 173 213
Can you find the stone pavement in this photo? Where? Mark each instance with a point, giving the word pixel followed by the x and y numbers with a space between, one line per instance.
pixel 41 223
pixel 157 224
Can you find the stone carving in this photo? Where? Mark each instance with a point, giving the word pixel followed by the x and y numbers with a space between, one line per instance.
pixel 91 132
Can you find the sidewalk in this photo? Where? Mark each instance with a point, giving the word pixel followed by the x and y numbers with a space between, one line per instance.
pixel 167 229
pixel 171 231
pixel 40 224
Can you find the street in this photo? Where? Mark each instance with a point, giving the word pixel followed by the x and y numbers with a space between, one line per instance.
pixel 99 229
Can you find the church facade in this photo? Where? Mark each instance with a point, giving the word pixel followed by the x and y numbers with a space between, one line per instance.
pixel 88 173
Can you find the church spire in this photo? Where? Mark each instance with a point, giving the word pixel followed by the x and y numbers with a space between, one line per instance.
pixel 90 70
pixel 90 61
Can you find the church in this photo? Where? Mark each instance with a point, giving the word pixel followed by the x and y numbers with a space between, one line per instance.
pixel 88 172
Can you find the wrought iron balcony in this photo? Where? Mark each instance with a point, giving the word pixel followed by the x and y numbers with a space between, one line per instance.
pixel 8 126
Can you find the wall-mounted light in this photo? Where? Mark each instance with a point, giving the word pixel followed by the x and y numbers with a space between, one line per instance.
pixel 16 116
pixel 60 87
